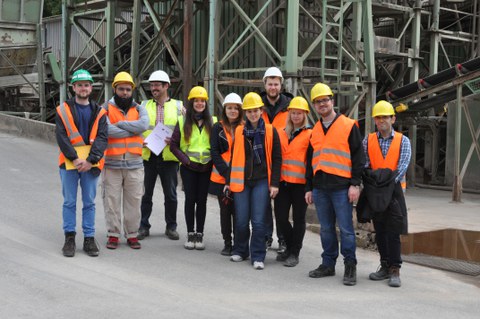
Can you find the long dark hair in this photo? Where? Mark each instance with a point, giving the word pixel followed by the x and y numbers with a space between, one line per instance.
pixel 190 120
pixel 226 122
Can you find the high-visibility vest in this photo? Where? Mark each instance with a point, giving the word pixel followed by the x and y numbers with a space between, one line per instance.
pixel 172 109
pixel 390 161
pixel 72 131
pixel 226 156
pixel 280 120
pixel 120 146
pixel 331 152
pixel 237 172
pixel 198 147
pixel 294 156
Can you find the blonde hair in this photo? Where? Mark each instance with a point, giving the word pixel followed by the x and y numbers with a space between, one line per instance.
pixel 290 127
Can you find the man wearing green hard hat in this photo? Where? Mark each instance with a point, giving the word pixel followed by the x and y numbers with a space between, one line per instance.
pixel 82 135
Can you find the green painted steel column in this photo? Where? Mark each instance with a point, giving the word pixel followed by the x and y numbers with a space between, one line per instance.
pixel 434 38
pixel 135 49
pixel 214 27
pixel 66 26
pixel 109 48
pixel 41 76
pixel 291 60
pixel 371 84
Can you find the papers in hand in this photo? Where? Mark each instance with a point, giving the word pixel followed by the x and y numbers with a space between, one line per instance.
pixel 156 140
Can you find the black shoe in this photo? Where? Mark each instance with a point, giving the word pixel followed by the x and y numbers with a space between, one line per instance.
pixel 381 274
pixel 268 243
pixel 172 234
pixel 227 249
pixel 282 246
pixel 142 233
pixel 69 246
pixel 322 271
pixel 350 274
pixel 283 256
pixel 291 261
pixel 90 247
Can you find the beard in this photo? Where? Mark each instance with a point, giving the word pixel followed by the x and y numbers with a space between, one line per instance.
pixel 123 103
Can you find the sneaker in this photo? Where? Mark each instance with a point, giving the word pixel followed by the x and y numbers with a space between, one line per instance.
pixel 199 245
pixel 90 246
pixel 227 249
pixel 172 234
pixel 190 243
pixel 142 233
pixel 322 271
pixel 382 273
pixel 69 246
pixel 258 265
pixel 350 274
pixel 268 243
pixel 134 243
pixel 282 246
pixel 112 242
pixel 236 258
pixel 291 261
pixel 394 280
pixel 283 256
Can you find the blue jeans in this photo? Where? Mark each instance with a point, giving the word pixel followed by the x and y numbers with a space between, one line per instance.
pixel 88 182
pixel 167 170
pixel 251 205
pixel 333 206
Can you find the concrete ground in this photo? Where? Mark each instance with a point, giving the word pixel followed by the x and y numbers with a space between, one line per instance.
pixel 165 280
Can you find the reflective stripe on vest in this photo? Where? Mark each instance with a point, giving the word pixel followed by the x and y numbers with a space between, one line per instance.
pixel 294 156
pixel 216 177
pixel 279 121
pixel 198 147
pixel 172 109
pixel 390 161
pixel 237 172
pixel 120 146
pixel 331 152
pixel 72 131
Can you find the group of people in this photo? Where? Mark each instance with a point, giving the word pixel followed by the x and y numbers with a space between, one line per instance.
pixel 261 150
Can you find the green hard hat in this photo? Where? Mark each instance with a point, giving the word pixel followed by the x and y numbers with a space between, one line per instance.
pixel 81 75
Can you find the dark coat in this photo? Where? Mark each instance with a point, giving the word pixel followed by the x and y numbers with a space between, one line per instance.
pixel 383 201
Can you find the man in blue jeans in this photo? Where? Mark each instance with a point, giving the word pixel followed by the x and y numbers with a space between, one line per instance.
pixel 81 132
pixel 335 162
pixel 165 110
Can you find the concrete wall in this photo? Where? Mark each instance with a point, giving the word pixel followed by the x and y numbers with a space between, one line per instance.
pixel 28 128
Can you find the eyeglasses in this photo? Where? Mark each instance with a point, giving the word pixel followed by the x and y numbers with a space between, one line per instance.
pixel 322 101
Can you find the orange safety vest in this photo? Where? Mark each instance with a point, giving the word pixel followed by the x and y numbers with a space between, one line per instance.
pixel 216 177
pixel 331 152
pixel 120 146
pixel 294 156
pixel 237 173
pixel 72 131
pixel 280 120
pixel 390 161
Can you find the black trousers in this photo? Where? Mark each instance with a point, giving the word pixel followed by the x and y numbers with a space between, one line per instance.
pixel 388 244
pixel 227 218
pixel 195 186
pixel 291 195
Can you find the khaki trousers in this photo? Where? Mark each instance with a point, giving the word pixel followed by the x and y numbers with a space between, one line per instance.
pixel 122 186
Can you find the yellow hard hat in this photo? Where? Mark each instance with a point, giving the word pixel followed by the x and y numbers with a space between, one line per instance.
pixel 123 77
pixel 382 108
pixel 198 92
pixel 252 100
pixel 320 89
pixel 298 103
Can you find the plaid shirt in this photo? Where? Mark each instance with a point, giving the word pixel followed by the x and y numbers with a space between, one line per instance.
pixel 160 114
pixel 405 152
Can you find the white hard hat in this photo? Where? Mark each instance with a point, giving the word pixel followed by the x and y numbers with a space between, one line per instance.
pixel 273 71
pixel 232 98
pixel 159 76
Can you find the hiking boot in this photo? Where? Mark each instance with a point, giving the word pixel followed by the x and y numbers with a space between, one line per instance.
pixel 227 249
pixel 69 246
pixel 268 243
pixel 142 233
pixel 350 274
pixel 382 273
pixel 291 261
pixel 134 243
pixel 199 245
pixel 322 271
pixel 394 280
pixel 112 242
pixel 283 256
pixel 90 247
pixel 172 234
pixel 258 265
pixel 190 243
pixel 282 246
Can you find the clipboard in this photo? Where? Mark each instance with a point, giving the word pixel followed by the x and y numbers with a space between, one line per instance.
pixel 82 152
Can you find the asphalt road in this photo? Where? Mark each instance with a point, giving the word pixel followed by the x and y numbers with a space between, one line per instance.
pixel 163 280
